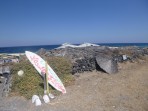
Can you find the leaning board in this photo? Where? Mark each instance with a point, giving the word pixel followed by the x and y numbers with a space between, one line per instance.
pixel 39 64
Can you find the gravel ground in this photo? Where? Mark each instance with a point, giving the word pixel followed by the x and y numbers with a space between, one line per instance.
pixel 96 91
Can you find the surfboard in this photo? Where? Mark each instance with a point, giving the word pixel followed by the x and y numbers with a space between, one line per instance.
pixel 39 65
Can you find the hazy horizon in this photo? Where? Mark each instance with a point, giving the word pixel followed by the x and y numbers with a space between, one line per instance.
pixel 49 22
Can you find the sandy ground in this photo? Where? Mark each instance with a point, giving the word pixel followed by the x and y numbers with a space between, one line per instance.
pixel 96 91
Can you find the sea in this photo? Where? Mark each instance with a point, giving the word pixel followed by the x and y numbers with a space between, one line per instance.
pixel 22 49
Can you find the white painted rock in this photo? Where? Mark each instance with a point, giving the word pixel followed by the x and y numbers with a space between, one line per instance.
pixel 34 97
pixel 124 57
pixel 20 73
pixel 46 99
pixel 38 102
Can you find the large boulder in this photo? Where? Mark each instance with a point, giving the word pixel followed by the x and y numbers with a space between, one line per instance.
pixel 107 63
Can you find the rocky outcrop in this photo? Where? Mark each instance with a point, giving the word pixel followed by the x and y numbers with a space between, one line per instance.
pixel 87 58
pixel 78 53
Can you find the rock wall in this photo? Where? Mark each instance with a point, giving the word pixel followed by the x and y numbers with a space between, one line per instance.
pixel 84 59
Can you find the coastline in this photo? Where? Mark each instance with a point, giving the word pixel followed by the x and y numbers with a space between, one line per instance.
pixel 22 49
pixel 12 54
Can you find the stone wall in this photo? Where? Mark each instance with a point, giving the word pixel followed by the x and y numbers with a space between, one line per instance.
pixel 84 59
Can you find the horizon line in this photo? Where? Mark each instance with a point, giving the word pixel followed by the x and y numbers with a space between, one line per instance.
pixel 77 44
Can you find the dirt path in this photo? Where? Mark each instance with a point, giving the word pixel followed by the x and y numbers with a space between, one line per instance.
pixel 96 91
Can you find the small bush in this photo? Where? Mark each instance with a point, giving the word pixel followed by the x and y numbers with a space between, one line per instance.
pixel 32 83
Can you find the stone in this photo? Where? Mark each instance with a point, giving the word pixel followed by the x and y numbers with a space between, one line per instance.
pixel 1 61
pixel 34 97
pixel 124 57
pixel 6 69
pixel 51 96
pixel 107 63
pixel 20 73
pixel 46 99
pixel 38 102
pixel 82 65
pixel 42 51
pixel 84 58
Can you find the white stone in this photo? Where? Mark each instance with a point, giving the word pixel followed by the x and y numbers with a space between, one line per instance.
pixel 38 102
pixel 51 96
pixel 124 57
pixel 34 97
pixel 46 99
pixel 20 73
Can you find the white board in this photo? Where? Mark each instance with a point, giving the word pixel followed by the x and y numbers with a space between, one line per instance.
pixel 39 64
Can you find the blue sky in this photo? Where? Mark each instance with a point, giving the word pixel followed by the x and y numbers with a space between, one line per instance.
pixel 46 22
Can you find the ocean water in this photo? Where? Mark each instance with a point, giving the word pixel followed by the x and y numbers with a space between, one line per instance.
pixel 22 49
pixel 124 44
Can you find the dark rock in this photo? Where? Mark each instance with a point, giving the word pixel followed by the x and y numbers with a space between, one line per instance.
pixel 107 63
pixel 118 58
pixel 121 58
pixel 81 65
pixel 7 60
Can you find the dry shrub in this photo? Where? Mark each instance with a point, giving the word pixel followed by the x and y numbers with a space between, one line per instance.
pixel 63 69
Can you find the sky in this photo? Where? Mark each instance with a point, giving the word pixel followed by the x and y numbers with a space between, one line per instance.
pixel 48 22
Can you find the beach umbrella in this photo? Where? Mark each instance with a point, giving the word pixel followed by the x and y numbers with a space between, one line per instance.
pixel 40 66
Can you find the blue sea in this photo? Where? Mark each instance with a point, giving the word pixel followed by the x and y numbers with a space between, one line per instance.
pixel 22 49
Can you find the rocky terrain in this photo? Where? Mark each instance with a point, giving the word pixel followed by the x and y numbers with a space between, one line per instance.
pixel 96 57
pixel 107 79
pixel 126 90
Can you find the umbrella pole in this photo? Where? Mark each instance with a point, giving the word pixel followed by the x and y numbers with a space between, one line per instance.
pixel 47 86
